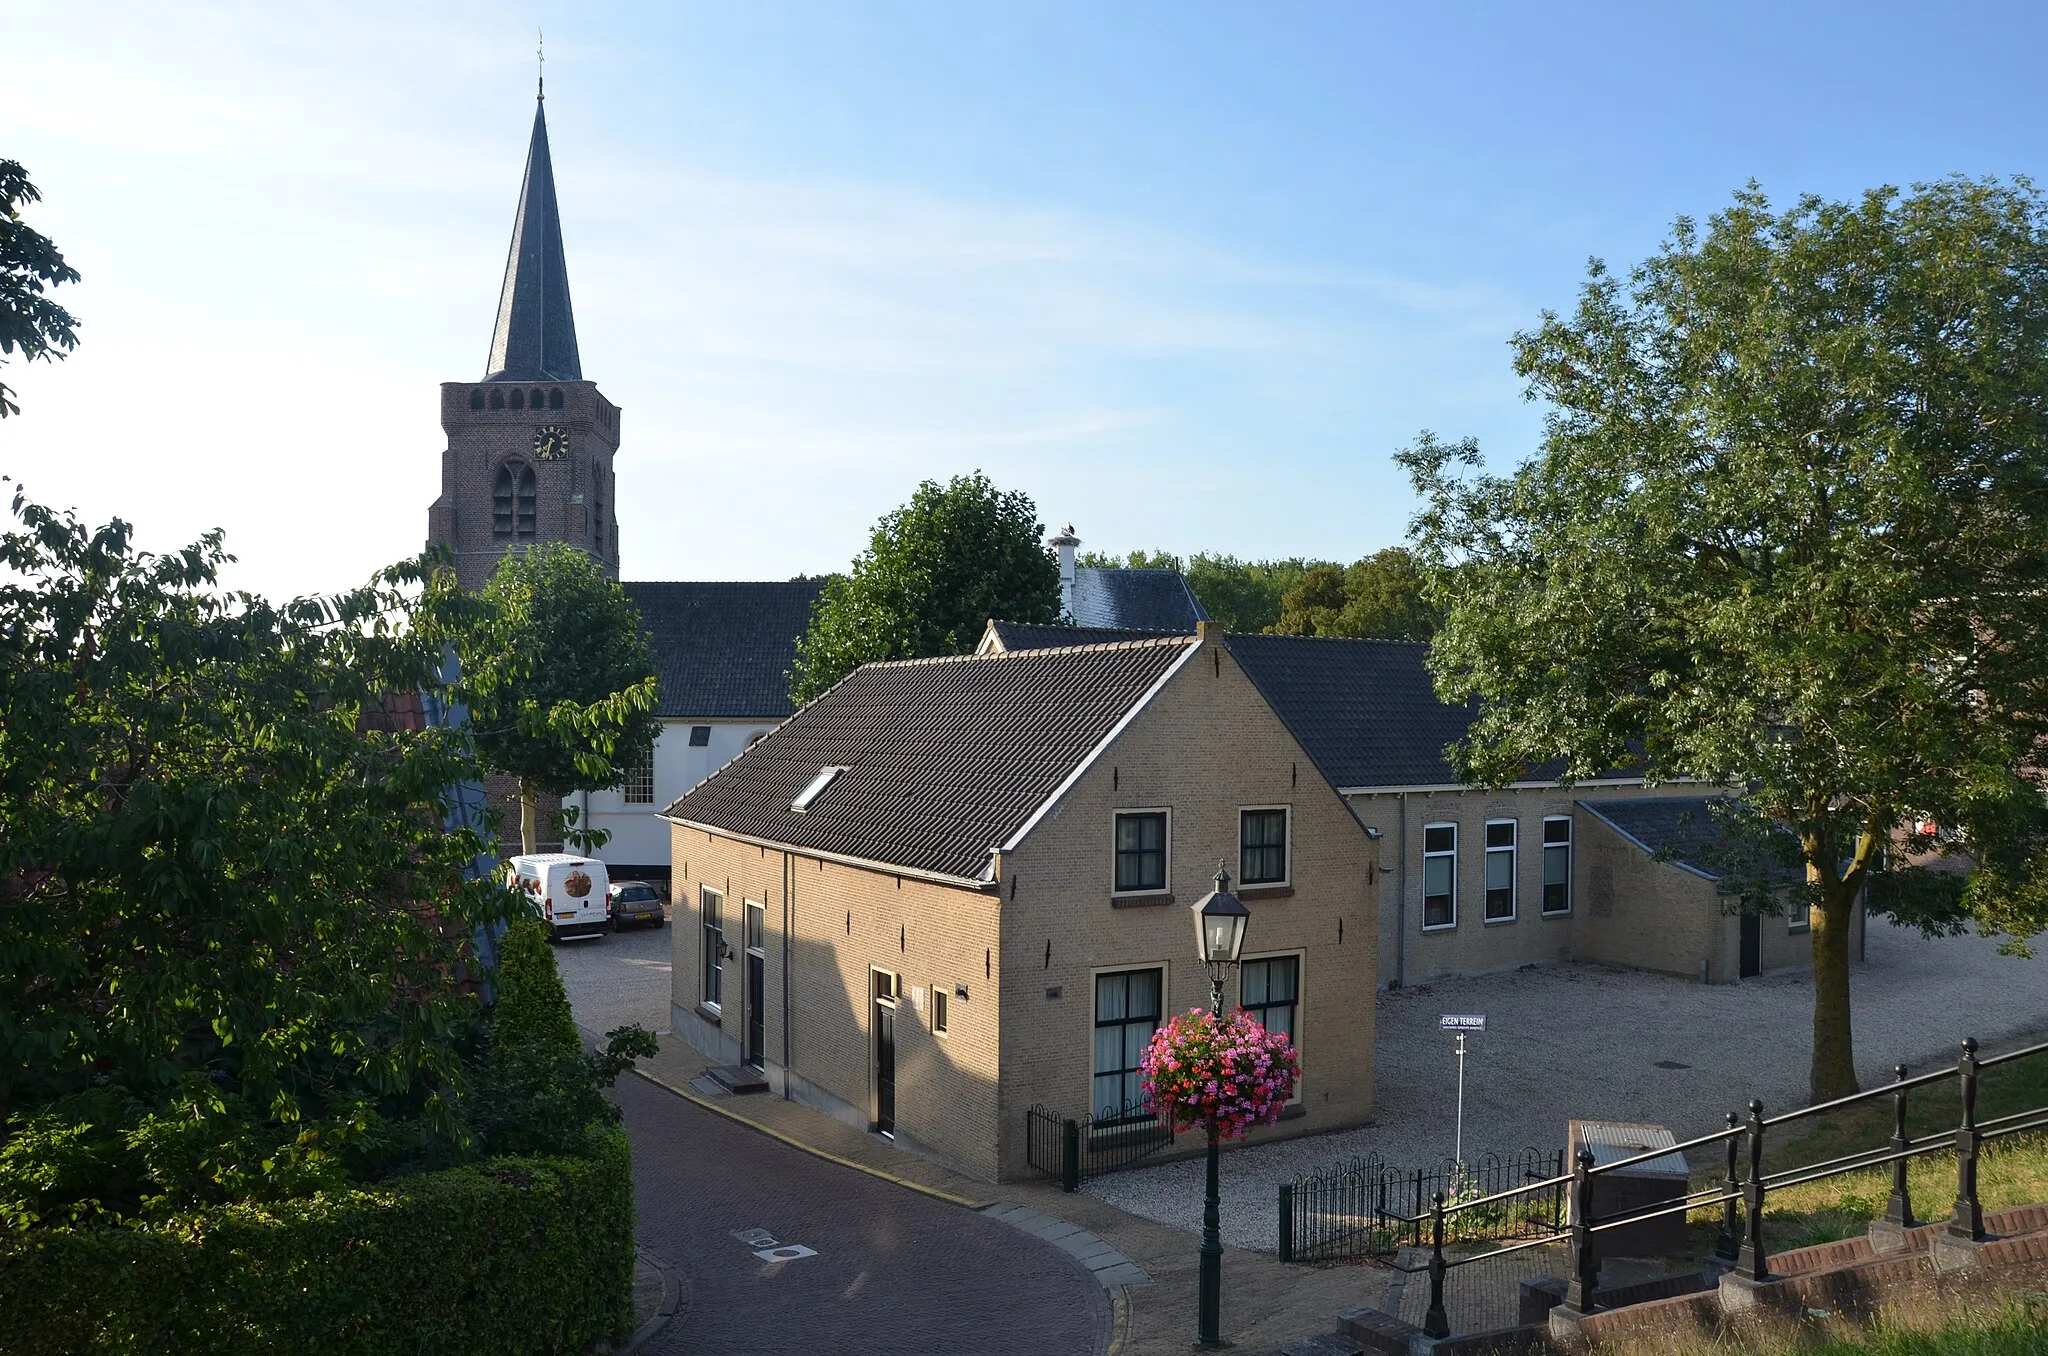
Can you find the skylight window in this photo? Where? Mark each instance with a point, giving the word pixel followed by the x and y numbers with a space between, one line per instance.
pixel 816 788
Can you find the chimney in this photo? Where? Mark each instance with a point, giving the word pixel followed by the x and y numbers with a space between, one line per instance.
pixel 1065 543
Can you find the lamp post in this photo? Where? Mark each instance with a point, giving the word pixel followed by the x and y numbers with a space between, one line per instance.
pixel 1220 920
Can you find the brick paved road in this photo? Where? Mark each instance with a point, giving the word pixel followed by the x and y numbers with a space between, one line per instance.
pixel 895 1271
pixel 617 978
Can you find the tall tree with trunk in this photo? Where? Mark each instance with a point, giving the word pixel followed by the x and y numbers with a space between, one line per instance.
pixel 1378 597
pixel 559 682
pixel 1787 533
pixel 936 571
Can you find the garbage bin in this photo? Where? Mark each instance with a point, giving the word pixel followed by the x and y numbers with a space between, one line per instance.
pixel 1644 1185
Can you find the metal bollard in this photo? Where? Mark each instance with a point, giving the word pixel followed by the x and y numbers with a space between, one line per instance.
pixel 1754 1260
pixel 1968 1221
pixel 1899 1209
pixel 1728 1247
pixel 1436 1323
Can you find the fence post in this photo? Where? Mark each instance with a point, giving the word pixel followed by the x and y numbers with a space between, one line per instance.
pixel 1287 1221
pixel 1070 1154
pixel 1899 1209
pixel 1728 1247
pixel 1754 1260
pixel 1585 1280
pixel 1436 1323
pixel 1968 1222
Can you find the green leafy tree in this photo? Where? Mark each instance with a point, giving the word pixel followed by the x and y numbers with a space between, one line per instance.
pixel 230 913
pixel 30 323
pixel 936 571
pixel 559 682
pixel 1787 533
pixel 1379 596
pixel 1245 595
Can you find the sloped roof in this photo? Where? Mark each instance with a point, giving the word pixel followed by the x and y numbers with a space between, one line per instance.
pixel 1045 636
pixel 534 338
pixel 1146 600
pixel 724 649
pixel 1680 829
pixel 1366 710
pixel 944 758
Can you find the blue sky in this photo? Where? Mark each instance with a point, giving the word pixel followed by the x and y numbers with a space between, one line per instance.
pixel 1187 274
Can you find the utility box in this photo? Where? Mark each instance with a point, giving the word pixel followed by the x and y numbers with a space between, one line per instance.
pixel 1646 1185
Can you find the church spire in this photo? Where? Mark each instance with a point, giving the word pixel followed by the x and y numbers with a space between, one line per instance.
pixel 535 337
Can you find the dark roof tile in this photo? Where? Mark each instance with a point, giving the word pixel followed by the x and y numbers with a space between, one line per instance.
pixel 1146 600
pixel 944 758
pixel 724 650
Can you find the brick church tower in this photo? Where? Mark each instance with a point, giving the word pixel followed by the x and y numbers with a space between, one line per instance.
pixel 530 447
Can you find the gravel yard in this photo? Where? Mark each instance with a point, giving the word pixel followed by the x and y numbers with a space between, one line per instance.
pixel 1583 1040
pixel 617 978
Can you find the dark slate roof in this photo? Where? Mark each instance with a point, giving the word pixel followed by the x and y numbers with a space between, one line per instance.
pixel 1144 600
pixel 945 758
pixel 1044 636
pixel 1365 710
pixel 1680 829
pixel 724 649
pixel 535 336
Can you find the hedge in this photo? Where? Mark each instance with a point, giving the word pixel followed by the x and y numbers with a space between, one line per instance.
pixel 507 1255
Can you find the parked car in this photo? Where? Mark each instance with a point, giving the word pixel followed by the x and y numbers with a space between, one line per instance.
pixel 635 901
pixel 573 893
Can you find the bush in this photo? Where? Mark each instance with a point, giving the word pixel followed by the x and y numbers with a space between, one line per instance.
pixel 512 1255
pixel 530 1250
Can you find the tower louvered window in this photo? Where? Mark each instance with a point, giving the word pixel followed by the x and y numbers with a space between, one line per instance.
pixel 512 503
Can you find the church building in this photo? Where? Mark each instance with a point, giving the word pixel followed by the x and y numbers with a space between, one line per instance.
pixel 530 446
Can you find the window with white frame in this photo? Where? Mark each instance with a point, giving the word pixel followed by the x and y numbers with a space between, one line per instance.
pixel 1500 870
pixel 1140 851
pixel 713 901
pixel 1439 876
pixel 1262 846
pixel 1272 992
pixel 638 788
pixel 1557 864
pixel 1127 1011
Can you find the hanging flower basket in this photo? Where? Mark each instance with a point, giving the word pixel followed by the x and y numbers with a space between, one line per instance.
pixel 1223 1075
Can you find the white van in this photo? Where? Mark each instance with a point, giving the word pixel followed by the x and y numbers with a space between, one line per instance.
pixel 569 892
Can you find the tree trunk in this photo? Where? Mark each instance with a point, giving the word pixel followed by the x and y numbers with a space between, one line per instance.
pixel 529 813
pixel 1834 1058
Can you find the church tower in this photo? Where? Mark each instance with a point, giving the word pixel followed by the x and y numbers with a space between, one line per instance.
pixel 530 447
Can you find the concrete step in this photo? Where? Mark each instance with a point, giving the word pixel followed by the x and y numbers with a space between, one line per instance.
pixel 738 1078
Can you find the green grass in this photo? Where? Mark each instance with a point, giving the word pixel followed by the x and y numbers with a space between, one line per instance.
pixel 2010 1172
pixel 2016 1327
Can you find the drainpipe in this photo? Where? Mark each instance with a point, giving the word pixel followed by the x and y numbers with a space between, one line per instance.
pixel 788 918
pixel 1401 905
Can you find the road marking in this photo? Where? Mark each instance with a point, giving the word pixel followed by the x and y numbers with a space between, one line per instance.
pixel 788 1252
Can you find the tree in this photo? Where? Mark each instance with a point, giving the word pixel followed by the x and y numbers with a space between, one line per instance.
pixel 559 682
pixel 230 914
pixel 1787 534
pixel 29 265
pixel 1379 596
pixel 936 571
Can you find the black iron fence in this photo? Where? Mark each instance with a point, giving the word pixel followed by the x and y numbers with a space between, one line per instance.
pixel 1742 1195
pixel 1070 1150
pixel 1367 1208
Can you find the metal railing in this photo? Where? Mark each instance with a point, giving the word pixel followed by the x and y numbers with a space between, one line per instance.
pixel 1366 1208
pixel 1741 1242
pixel 1070 1150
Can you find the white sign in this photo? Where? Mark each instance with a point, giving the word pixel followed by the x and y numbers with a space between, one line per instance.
pixel 1461 1021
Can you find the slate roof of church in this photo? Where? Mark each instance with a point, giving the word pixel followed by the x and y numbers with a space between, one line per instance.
pixel 944 758
pixel 534 338
pixel 1049 635
pixel 1144 600
pixel 1365 710
pixel 723 649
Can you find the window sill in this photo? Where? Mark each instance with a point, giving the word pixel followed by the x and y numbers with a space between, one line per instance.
pixel 1557 913
pixel 1138 901
pixel 711 1014
pixel 1439 927
pixel 1496 922
pixel 1279 891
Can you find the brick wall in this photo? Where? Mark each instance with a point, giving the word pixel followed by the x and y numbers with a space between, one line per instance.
pixel 1475 946
pixel 566 491
pixel 1206 747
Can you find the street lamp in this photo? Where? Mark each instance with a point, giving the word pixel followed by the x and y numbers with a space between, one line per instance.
pixel 1220 920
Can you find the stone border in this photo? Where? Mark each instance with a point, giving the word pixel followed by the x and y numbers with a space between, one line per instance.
pixel 671 1299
